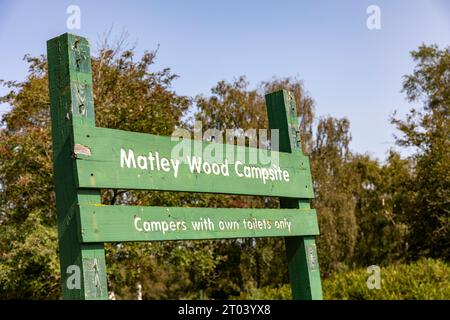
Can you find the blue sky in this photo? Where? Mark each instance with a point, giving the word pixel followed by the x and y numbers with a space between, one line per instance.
pixel 349 70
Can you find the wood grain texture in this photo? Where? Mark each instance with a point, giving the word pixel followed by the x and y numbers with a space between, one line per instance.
pixel 301 251
pixel 135 223
pixel 87 158
pixel 70 80
pixel 102 169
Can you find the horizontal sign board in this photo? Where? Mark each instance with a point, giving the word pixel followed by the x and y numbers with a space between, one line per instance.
pixel 101 223
pixel 107 158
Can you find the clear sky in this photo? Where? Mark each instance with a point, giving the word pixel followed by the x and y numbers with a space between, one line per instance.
pixel 348 69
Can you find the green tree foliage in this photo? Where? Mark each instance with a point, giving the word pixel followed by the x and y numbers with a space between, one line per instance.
pixel 427 130
pixel 128 95
pixel 237 107
pixel 382 203
pixel 28 264
pixel 28 260
pixel 369 212
pixel 229 105
pixel 334 184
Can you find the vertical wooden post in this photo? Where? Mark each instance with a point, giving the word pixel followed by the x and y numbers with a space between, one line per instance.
pixel 301 251
pixel 83 271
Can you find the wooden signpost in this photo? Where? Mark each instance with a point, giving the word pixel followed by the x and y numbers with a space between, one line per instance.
pixel 87 159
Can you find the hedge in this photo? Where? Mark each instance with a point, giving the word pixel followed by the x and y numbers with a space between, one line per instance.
pixel 421 280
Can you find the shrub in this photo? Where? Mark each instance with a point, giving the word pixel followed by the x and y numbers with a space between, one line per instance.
pixel 421 280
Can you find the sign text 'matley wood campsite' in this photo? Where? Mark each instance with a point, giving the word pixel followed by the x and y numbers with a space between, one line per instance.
pixel 88 159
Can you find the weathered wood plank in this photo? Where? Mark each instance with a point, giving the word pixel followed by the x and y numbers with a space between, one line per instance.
pixel 301 251
pixel 70 88
pixel 135 223
pixel 106 162
pixel 88 158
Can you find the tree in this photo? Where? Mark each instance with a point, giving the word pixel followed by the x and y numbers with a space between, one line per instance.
pixel 382 205
pixel 250 263
pixel 427 130
pixel 235 106
pixel 334 185
pixel 128 95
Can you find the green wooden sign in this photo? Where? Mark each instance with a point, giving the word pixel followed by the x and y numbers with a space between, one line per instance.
pixel 133 223
pixel 87 159
pixel 107 158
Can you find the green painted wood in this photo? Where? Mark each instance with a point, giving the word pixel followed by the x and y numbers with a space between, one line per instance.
pixel 88 158
pixel 301 251
pixel 135 223
pixel 102 157
pixel 70 85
